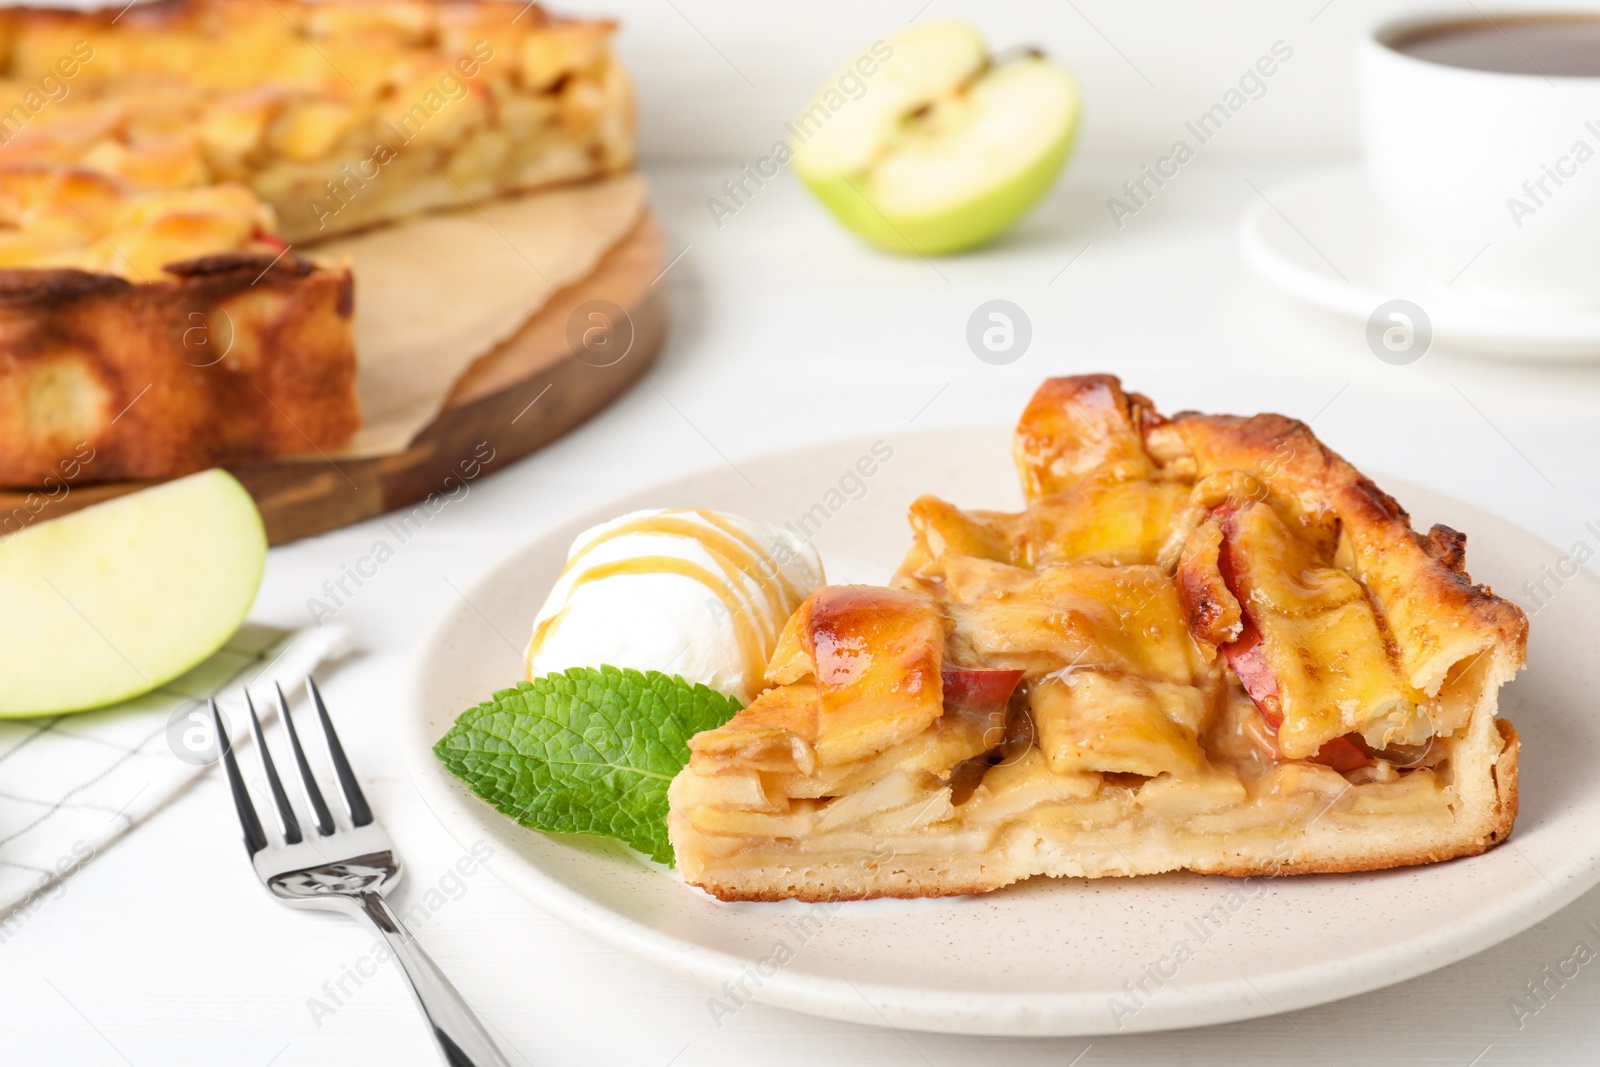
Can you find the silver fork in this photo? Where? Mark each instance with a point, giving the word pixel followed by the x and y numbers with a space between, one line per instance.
pixel 345 865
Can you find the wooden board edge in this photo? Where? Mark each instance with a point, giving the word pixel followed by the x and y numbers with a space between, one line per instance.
pixel 478 432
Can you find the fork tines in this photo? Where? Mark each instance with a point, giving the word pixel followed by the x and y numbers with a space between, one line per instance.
pixel 287 823
pixel 355 803
pixel 319 807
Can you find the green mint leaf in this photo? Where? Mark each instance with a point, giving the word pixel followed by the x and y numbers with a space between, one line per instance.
pixel 588 751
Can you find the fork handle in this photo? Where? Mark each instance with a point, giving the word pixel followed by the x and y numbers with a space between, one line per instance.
pixel 456 1028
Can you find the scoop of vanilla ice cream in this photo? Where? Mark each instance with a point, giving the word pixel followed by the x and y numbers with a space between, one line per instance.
pixel 696 593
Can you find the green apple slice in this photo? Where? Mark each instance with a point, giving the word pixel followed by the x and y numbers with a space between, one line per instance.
pixel 944 149
pixel 115 600
pixel 839 136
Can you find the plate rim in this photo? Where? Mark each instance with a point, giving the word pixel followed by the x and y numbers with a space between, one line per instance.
pixel 969 1012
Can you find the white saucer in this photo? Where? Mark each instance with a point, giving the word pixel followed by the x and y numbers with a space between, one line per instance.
pixel 1325 238
pixel 1042 957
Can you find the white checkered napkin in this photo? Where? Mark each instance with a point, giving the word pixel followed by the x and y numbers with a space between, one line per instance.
pixel 70 785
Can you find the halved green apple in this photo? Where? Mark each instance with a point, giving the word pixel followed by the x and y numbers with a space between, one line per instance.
pixel 944 148
pixel 112 601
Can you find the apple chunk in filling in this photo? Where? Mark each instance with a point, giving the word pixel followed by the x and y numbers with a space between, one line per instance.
pixel 1089 721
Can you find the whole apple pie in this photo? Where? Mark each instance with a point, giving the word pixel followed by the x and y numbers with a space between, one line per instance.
pixel 1206 643
pixel 146 148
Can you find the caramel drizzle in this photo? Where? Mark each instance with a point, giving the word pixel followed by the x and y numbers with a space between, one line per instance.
pixel 737 555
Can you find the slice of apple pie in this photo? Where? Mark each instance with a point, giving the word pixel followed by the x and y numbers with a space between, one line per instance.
pixel 1207 643
pixel 161 331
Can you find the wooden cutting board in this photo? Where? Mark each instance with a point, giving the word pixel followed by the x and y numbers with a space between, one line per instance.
pixel 560 368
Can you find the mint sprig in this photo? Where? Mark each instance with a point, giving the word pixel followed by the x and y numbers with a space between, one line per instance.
pixel 588 751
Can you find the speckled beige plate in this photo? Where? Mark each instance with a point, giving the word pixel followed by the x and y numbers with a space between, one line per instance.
pixel 1043 957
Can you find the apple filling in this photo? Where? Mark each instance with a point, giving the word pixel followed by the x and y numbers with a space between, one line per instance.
pixel 1146 760
pixel 336 116
pixel 1154 667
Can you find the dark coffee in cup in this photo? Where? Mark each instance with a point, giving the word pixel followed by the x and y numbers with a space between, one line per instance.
pixel 1554 45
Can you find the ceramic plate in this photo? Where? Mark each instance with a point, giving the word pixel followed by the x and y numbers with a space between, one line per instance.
pixel 1042 957
pixel 1324 238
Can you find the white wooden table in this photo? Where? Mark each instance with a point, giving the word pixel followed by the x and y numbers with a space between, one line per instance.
pixel 165 951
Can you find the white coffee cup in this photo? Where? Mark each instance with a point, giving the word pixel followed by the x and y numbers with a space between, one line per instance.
pixel 1496 175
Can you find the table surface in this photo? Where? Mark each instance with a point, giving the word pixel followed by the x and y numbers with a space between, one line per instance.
pixel 164 950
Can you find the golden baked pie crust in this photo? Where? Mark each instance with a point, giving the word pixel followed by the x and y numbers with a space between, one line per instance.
pixel 230 359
